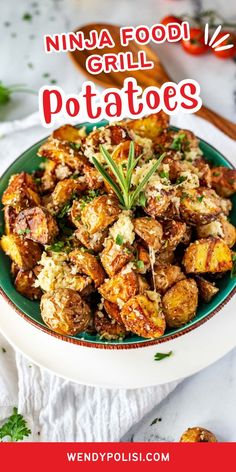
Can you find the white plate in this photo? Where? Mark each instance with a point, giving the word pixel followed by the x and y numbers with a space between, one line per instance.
pixel 131 368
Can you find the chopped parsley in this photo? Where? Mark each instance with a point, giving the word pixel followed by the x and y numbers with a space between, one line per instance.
pixel 184 195
pixel 23 231
pixel 15 427
pixel 164 175
pixel 216 174
pixel 57 246
pixel 200 198
pixel 181 179
pixel 177 142
pixel 162 355
pixel 139 264
pixel 88 198
pixel 27 17
pixel 74 146
pixel 64 210
pixel 119 239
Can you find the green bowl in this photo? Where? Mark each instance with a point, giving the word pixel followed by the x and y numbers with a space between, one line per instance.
pixel 28 162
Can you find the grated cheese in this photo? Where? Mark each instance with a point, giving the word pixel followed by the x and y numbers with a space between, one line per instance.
pixel 124 227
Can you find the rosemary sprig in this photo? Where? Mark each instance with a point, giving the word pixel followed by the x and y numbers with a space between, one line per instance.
pixel 122 186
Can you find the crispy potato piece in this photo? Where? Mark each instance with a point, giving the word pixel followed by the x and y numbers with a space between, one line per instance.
pixel 93 178
pixel 167 275
pixel 199 206
pixel 166 256
pixel 204 172
pixel 207 255
pixel 221 228
pixel 107 328
pixel 14 270
pixel 121 153
pixel 198 434
pixel 174 233
pixel 24 284
pixel 115 257
pixel 48 179
pixel 68 133
pixel 37 224
pixel 149 126
pixel 9 219
pixel 143 256
pixel 21 192
pixel 143 284
pixel 113 311
pixel 207 290
pixel 65 312
pixel 180 303
pixel 88 264
pixel 75 213
pixel 90 241
pixel 120 288
pixel 157 206
pixel 100 213
pixel 143 315
pixel 65 189
pixel 62 153
pixel 225 205
pixel 224 180
pixel 23 252
pixel 149 230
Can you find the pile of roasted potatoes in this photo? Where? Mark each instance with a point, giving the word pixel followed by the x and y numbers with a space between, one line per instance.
pixel 99 268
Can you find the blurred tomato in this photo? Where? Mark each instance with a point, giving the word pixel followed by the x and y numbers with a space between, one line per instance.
pixel 195 45
pixel 171 19
pixel 227 53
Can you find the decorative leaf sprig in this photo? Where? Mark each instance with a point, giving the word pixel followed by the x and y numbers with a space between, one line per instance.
pixel 15 428
pixel 122 187
pixel 162 355
pixel 6 92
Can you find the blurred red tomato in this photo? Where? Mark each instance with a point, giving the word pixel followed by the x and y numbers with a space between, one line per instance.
pixel 195 45
pixel 227 53
pixel 171 19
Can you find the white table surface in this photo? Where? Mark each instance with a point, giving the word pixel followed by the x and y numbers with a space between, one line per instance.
pixel 207 398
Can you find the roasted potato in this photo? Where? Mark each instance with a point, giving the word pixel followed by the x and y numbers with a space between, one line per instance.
pixel 37 224
pixel 88 264
pixel 207 290
pixel 180 303
pixel 70 134
pixel 48 179
pixel 207 255
pixel 143 315
pixel 21 192
pixel 156 206
pixel 149 126
pixel 9 219
pixel 65 312
pixel 100 213
pixel 24 284
pixel 24 253
pixel 113 311
pixel 65 153
pixel 224 180
pixel 121 153
pixel 173 233
pixel 166 256
pixel 90 241
pixel 120 288
pixel 115 257
pixel 150 231
pixel 220 228
pixel 143 263
pixel 108 328
pixel 166 275
pixel 199 205
pixel 198 434
pixel 65 190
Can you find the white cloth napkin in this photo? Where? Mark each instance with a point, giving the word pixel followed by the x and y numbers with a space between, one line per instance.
pixel 56 409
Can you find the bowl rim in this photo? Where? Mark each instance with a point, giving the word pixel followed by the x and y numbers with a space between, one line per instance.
pixel 107 344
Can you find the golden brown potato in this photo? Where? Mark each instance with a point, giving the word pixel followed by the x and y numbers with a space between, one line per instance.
pixel 9 219
pixel 198 434
pixel 65 312
pixel 90 241
pixel 93 178
pixel 224 180
pixel 37 224
pixel 174 233
pixel 180 303
pixel 24 284
pixel 143 259
pixel 88 264
pixel 143 315
pixel 113 311
pixel 166 275
pixel 120 288
pixel 150 231
pixel 207 290
pixel 23 252
pixel 157 205
pixel 48 179
pixel 14 270
pixel 68 133
pixel 108 328
pixel 21 192
pixel 114 257
pixel 100 213
pixel 61 152
pixel 220 228
pixel 149 126
pixel 207 255
pixel 65 190
pixel 166 256
pixel 121 152
pixel 199 205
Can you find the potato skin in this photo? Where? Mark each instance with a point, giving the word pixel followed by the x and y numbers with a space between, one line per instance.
pixel 207 290
pixel 65 312
pixel 199 205
pixel 149 230
pixel 174 233
pixel 65 189
pixel 120 288
pixel 112 311
pixel 21 192
pixel 143 316
pixel 90 241
pixel 9 219
pixel 62 153
pixel 107 328
pixel 115 257
pixel 224 180
pixel 24 253
pixel 36 224
pixel 207 255
pixel 149 126
pixel 198 434
pixel 221 228
pixel 24 284
pixel 156 207
pixel 100 213
pixel 167 275
pixel 180 303
pixel 67 133
pixel 88 264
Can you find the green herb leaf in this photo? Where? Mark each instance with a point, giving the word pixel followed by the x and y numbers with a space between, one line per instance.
pixel 15 427
pixel 142 199
pixel 56 247
pixel 119 239
pixel 200 198
pixel 145 180
pixel 162 355
pixel 216 174
pixel 181 179
pixel 164 175
pixel 177 142
pixel 74 146
pixel 64 210
pixel 140 264
pixel 23 231
pixel 27 17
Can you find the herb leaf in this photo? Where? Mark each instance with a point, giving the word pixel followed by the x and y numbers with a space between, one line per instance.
pixel 162 355
pixel 15 427
pixel 74 146
pixel 119 239
pixel 23 231
pixel 177 142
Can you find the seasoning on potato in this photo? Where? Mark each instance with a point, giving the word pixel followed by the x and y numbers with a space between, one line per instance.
pixel 198 434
